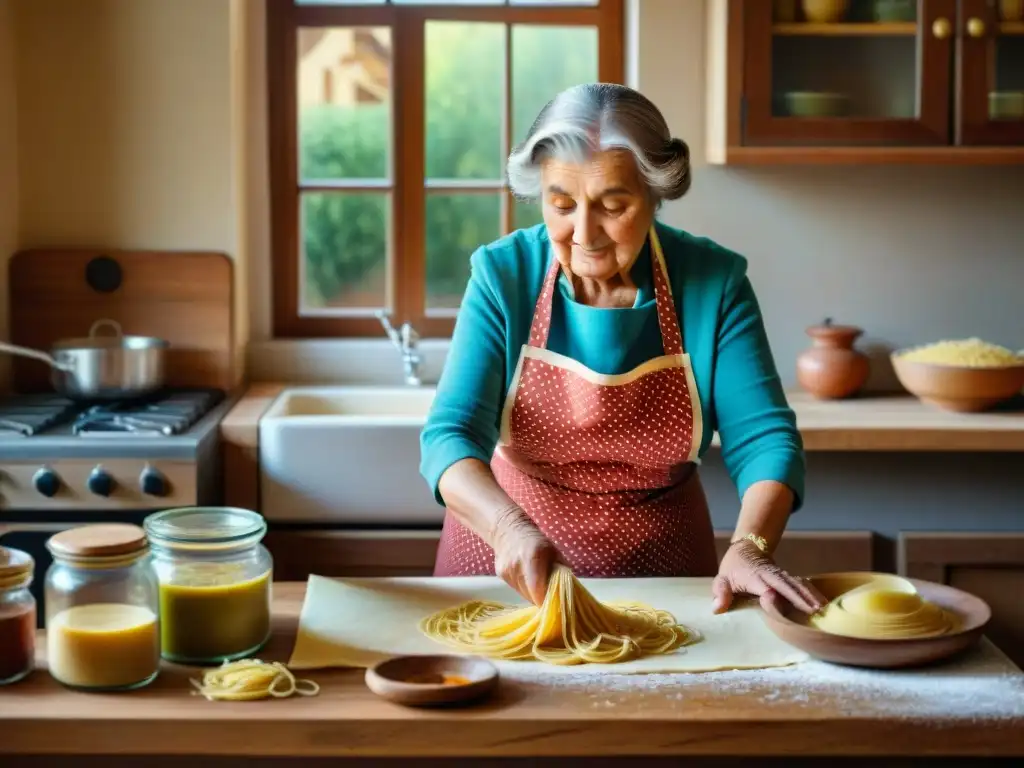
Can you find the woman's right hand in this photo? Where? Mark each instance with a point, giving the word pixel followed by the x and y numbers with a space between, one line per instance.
pixel 523 555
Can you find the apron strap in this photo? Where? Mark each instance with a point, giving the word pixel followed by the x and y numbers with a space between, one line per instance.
pixel 671 336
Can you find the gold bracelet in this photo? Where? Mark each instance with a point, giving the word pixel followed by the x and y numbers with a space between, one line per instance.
pixel 758 541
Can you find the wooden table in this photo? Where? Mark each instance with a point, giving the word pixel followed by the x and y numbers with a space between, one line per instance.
pixel 707 716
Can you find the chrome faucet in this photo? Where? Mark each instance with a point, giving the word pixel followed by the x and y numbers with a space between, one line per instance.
pixel 405 340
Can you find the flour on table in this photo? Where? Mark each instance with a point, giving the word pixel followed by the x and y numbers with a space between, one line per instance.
pixel 983 684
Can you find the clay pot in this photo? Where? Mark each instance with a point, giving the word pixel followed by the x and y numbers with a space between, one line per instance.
pixel 831 368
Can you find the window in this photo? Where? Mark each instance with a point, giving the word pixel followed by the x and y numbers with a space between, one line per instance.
pixel 390 122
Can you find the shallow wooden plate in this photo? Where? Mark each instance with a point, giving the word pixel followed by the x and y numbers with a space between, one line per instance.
pixel 417 681
pixel 790 625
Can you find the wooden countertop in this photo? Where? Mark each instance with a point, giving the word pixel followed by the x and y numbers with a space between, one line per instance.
pixel 699 715
pixel 870 423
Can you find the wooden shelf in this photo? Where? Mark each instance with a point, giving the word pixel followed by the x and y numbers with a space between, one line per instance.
pixel 761 156
pixel 1011 28
pixel 868 29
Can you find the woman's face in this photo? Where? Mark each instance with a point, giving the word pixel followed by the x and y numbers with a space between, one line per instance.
pixel 597 213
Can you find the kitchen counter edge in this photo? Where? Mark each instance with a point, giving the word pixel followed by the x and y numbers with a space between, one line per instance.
pixel 899 423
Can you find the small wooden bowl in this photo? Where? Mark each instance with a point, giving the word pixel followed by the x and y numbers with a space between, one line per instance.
pixel 959 388
pixel 418 681
pixel 790 625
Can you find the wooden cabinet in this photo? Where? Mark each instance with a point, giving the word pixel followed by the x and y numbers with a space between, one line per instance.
pixel 861 81
pixel 989 565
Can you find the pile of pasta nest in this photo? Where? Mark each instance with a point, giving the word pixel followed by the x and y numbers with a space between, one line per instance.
pixel 570 627
pixel 886 608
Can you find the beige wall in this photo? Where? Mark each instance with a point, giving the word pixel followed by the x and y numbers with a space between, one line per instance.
pixel 129 128
pixel 140 124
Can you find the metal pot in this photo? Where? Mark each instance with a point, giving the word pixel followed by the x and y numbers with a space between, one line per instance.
pixel 114 367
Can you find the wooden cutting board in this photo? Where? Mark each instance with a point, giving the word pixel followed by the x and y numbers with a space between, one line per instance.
pixel 185 298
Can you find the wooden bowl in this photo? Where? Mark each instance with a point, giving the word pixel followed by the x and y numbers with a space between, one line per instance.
pixel 959 388
pixel 419 681
pixel 791 626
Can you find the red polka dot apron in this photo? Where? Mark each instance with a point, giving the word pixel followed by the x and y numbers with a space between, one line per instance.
pixel 604 465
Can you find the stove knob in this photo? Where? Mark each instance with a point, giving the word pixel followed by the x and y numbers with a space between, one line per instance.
pixel 47 482
pixel 100 482
pixel 153 483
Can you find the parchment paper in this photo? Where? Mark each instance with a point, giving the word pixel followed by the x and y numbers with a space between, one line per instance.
pixel 359 622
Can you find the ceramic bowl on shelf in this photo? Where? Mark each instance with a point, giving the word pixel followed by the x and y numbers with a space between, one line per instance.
pixel 824 11
pixel 791 626
pixel 959 388
pixel 816 104
pixel 1006 105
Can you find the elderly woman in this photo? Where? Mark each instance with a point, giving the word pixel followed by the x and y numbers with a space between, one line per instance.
pixel 593 357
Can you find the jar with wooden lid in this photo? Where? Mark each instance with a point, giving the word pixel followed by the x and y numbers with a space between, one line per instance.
pixel 215 582
pixel 102 608
pixel 17 616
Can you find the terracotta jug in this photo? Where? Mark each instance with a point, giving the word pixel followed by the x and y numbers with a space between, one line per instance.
pixel 831 368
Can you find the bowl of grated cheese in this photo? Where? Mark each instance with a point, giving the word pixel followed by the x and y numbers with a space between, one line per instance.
pixel 963 375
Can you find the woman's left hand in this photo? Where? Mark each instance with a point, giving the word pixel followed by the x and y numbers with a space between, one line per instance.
pixel 745 569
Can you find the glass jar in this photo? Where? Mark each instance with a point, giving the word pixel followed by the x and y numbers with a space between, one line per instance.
pixel 102 609
pixel 17 616
pixel 215 582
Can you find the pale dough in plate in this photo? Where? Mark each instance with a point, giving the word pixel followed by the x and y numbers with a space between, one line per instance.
pixel 358 622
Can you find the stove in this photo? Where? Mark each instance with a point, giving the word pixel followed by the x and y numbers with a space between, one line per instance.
pixel 64 463
pixel 162 415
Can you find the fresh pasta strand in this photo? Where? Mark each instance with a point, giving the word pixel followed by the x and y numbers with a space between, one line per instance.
pixel 570 627
pixel 887 609
pixel 251 679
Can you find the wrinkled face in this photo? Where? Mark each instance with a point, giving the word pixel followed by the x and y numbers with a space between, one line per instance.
pixel 597 213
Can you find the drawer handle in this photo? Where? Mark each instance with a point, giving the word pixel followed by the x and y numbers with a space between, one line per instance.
pixel 975 27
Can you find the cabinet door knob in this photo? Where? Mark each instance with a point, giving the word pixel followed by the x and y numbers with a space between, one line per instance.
pixel 941 28
pixel 975 27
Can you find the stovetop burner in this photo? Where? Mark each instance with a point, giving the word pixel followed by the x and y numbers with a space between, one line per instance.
pixel 31 414
pixel 168 413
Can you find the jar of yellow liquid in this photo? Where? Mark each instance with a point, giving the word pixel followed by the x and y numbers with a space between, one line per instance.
pixel 215 583
pixel 102 630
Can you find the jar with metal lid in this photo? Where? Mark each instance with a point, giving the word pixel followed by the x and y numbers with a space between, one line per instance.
pixel 102 608
pixel 17 616
pixel 215 582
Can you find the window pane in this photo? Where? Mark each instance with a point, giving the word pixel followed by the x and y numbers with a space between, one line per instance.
pixel 526 214
pixel 344 250
pixel 553 2
pixel 546 60
pixel 457 224
pixel 464 99
pixel 340 2
pixel 344 96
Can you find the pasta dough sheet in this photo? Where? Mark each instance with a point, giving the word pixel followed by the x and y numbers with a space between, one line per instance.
pixel 359 622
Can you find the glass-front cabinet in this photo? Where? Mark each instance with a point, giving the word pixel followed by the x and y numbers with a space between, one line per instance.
pixel 873 74
pixel 991 73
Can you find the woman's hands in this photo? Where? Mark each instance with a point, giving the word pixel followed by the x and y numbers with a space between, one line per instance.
pixel 745 569
pixel 523 555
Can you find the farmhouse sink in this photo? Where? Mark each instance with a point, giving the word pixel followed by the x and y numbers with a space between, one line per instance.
pixel 346 455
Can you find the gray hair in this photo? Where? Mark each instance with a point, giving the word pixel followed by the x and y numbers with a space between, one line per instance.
pixel 598 116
